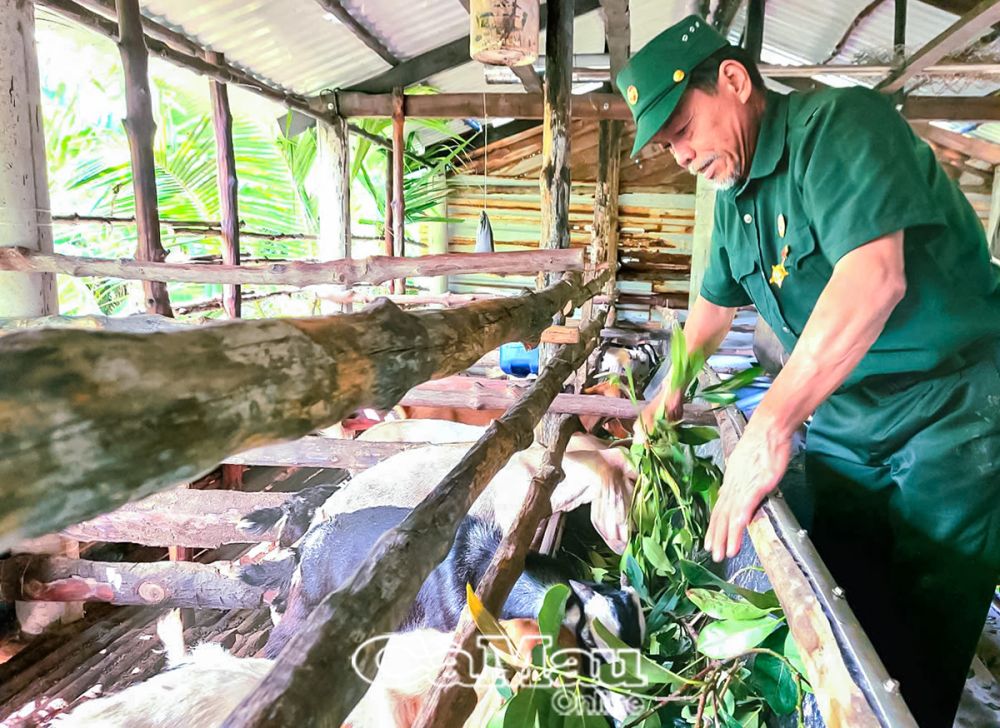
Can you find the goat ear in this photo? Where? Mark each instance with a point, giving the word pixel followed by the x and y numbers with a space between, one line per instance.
pixel 584 591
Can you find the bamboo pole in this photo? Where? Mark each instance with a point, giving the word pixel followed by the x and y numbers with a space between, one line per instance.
pixel 373 270
pixel 377 597
pixel 225 154
pixel 139 128
pixel 398 201
pixel 91 419
pixel 451 701
pixel 334 196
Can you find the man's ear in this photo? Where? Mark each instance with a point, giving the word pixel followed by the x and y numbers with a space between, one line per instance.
pixel 735 79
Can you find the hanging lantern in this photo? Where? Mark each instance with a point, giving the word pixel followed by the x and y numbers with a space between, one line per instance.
pixel 504 32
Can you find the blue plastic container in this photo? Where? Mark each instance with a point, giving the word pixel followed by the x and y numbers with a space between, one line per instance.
pixel 517 361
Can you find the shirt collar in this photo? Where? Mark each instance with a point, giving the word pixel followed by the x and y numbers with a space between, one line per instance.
pixel 770 139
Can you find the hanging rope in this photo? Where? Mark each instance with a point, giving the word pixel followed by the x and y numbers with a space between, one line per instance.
pixel 484 235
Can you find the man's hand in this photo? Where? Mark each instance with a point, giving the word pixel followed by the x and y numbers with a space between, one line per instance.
pixel 754 469
pixel 673 409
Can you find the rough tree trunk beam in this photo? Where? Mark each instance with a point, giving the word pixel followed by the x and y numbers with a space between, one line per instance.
pixel 160 584
pixel 91 419
pixel 139 128
pixel 840 700
pixel 374 270
pixel 449 703
pixel 194 518
pixel 376 598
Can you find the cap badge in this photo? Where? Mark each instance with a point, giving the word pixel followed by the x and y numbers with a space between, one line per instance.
pixel 632 95
pixel 678 76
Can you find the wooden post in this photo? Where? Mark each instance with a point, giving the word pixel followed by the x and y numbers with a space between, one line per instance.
pixel 754 32
pixel 554 180
pixel 225 154
pixel 334 195
pixel 92 419
pixel 376 598
pixel 899 34
pixel 140 127
pixel 605 235
pixel 701 246
pixel 555 175
pixel 398 201
pixel 993 228
pixel 24 191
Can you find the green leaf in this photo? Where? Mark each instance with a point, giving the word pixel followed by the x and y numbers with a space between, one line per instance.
pixel 648 671
pixel 550 616
pixel 697 434
pixel 773 678
pixel 737 381
pixel 698 575
pixel 636 578
pixel 655 555
pixel 527 707
pixel 720 606
pixel 731 638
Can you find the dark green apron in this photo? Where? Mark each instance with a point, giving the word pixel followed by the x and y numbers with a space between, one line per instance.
pixel 905 470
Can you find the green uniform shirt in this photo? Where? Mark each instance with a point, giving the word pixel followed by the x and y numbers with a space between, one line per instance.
pixel 833 170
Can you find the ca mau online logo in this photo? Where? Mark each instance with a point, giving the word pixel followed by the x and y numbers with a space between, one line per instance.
pixel 410 665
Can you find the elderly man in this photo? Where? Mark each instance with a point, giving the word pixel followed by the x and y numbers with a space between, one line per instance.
pixel 838 224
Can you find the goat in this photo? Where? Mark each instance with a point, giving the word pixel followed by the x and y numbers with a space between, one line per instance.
pixel 332 550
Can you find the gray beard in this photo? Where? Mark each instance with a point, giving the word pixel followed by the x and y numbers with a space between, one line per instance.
pixel 723 184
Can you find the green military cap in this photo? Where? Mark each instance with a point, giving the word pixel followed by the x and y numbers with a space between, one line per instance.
pixel 655 78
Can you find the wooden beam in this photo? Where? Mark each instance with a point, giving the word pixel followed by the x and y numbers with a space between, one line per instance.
pixel 444 57
pixel 899 32
pixel 337 10
pixel 322 452
pixel 192 518
pixel 951 108
pixel 865 13
pixel 471 105
pixel 225 155
pixel 451 699
pixel 554 178
pixel 139 128
pixel 374 270
pixel 217 585
pixel 177 41
pixel 964 30
pixel 24 189
pixel 375 599
pixel 529 78
pixel 724 15
pixel 969 146
pixel 93 419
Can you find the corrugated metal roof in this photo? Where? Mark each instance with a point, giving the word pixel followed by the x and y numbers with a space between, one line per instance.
pixel 413 27
pixel 292 43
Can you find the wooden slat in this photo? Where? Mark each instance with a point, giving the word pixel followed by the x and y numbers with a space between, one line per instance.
pixel 618 31
pixel 966 29
pixel 322 452
pixel 342 14
pixel 969 146
pixel 951 108
pixel 373 270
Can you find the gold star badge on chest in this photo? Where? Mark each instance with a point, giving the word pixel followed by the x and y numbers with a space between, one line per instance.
pixel 779 272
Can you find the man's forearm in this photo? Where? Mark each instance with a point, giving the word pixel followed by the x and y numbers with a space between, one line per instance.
pixel 849 316
pixel 707 326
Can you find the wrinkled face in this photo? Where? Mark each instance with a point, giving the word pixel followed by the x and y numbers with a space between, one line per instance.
pixel 714 134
